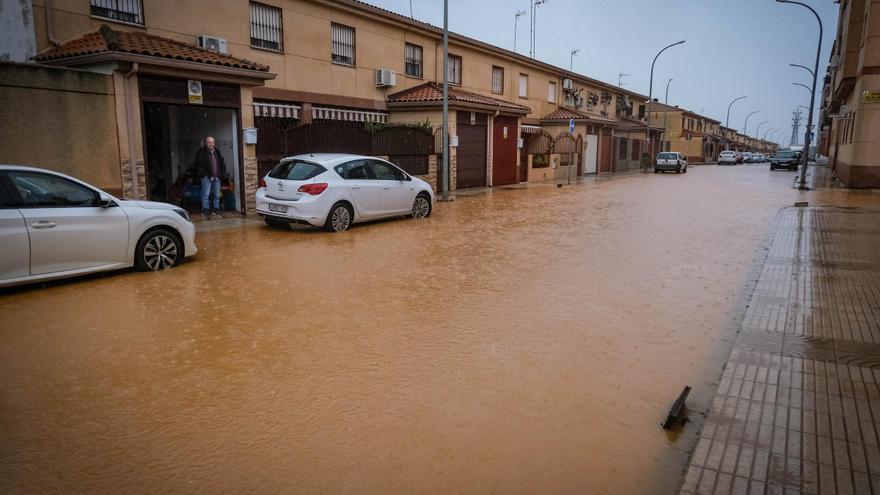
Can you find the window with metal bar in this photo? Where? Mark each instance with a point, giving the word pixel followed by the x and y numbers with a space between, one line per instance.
pixel 497 79
pixel 266 27
pixel 454 74
pixel 413 60
pixel 119 10
pixel 523 85
pixel 342 39
pixel 551 92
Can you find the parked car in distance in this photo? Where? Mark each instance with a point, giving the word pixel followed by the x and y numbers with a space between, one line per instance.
pixel 747 157
pixel 54 226
pixel 739 157
pixel 335 191
pixel 758 158
pixel 727 157
pixel 670 160
pixel 787 159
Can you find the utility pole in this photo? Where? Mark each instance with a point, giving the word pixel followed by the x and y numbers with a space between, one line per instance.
pixel 519 13
pixel 445 100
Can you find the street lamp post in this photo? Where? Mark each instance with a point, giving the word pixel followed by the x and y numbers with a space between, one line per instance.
pixel 758 130
pixel 727 122
pixel 665 120
pixel 666 100
pixel 571 62
pixel 532 32
pixel 445 100
pixel 815 71
pixel 651 98
pixel 746 126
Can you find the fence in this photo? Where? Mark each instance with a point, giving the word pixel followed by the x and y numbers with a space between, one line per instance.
pixel 407 146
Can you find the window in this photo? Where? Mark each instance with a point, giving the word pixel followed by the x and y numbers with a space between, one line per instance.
pixel 636 150
pixel 454 73
pixel 119 10
pixel 385 171
pixel 342 39
pixel 266 27
pixel 412 58
pixel 551 92
pixel 523 86
pixel 641 111
pixel 356 170
pixel 497 79
pixel 621 148
pixel 296 170
pixel 48 191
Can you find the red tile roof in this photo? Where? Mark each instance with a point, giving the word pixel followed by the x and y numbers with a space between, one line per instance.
pixel 562 113
pixel 431 92
pixel 628 124
pixel 106 40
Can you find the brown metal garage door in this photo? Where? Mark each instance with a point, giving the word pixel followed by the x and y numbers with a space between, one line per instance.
pixel 471 152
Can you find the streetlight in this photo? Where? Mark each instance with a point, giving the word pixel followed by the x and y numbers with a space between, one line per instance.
pixel 519 13
pixel 768 132
pixel 803 86
pixel 666 100
pixel 535 4
pixel 727 122
pixel 665 120
pixel 651 98
pixel 571 63
pixel 815 71
pixel 746 126
pixel 445 164
pixel 758 130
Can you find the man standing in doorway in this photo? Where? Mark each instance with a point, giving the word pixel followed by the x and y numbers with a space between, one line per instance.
pixel 211 168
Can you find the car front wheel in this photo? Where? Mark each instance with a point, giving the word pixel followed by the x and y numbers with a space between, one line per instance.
pixel 339 219
pixel 157 250
pixel 421 207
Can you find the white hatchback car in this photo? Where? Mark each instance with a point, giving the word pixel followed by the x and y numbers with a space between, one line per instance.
pixel 54 226
pixel 335 190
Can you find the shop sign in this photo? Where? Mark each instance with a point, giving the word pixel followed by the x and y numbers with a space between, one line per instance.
pixel 871 97
pixel 195 91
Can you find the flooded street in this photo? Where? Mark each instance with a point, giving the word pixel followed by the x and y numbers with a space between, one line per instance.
pixel 517 341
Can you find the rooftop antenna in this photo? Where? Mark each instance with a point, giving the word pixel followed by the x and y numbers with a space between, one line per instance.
pixel 620 77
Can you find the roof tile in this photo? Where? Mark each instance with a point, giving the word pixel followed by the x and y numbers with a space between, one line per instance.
pixel 432 92
pixel 106 40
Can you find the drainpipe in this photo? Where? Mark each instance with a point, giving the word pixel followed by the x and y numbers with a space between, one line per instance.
pixel 129 116
pixel 50 24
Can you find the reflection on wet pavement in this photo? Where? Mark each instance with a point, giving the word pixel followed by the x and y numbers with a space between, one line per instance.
pixel 517 341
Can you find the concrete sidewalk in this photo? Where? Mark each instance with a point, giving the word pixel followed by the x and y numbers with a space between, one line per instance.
pixel 798 406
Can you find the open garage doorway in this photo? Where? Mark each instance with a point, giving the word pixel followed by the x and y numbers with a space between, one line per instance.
pixel 173 134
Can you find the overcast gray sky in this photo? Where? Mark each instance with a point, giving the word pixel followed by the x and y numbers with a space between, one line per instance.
pixel 734 47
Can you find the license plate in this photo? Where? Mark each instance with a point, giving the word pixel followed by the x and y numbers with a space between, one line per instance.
pixel 277 208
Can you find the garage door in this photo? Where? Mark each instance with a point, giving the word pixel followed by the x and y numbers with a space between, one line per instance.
pixel 471 153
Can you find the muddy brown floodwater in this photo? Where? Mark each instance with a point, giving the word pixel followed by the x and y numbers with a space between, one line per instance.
pixel 519 341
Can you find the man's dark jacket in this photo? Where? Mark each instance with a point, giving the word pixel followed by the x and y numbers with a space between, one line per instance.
pixel 203 163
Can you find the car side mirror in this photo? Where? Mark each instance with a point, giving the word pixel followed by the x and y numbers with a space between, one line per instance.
pixel 104 201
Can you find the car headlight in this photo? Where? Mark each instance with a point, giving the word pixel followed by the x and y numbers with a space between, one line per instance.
pixel 183 213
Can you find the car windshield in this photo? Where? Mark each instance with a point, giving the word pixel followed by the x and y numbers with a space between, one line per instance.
pixel 667 156
pixel 785 154
pixel 296 170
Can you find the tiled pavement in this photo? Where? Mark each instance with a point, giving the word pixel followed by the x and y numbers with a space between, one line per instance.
pixel 798 406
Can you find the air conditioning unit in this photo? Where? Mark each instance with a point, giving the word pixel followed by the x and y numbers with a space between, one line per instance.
pixel 385 77
pixel 579 101
pixel 213 43
pixel 567 84
pixel 835 62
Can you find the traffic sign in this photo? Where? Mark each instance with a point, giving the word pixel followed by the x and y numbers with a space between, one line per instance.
pixel 571 125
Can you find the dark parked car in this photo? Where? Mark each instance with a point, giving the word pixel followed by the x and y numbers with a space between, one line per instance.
pixel 786 159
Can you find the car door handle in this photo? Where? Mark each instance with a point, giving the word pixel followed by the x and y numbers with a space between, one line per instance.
pixel 385 188
pixel 44 225
pixel 355 187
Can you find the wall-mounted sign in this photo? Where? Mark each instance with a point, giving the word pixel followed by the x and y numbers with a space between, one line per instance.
pixel 453 141
pixel 505 132
pixel 571 126
pixel 871 97
pixel 195 91
pixel 520 143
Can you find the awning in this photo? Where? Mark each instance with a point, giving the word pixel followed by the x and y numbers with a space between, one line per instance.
pixel 327 113
pixel 279 110
pixel 531 129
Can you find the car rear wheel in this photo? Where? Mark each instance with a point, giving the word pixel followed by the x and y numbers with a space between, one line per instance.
pixel 339 219
pixel 158 249
pixel 684 170
pixel 421 206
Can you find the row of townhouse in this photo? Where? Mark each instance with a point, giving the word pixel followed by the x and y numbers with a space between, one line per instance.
pixel 849 124
pixel 151 79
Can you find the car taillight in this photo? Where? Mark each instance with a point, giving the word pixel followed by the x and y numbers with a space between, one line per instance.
pixel 263 182
pixel 313 189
